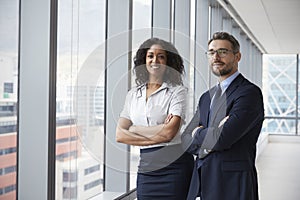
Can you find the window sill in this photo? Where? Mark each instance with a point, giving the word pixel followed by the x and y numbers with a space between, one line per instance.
pixel 107 196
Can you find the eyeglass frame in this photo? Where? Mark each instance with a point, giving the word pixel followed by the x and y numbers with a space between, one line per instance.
pixel 211 53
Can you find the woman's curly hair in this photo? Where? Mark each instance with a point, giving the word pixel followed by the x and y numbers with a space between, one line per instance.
pixel 175 68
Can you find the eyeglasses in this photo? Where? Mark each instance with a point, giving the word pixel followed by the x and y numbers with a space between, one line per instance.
pixel 221 53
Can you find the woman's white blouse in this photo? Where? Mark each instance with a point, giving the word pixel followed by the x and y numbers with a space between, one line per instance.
pixel 166 100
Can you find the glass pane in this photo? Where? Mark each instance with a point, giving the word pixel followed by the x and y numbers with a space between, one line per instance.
pixel 141 22
pixel 279 91
pixel 298 90
pixel 141 31
pixel 279 126
pixel 80 99
pixel 279 83
pixel 9 25
pixel 191 64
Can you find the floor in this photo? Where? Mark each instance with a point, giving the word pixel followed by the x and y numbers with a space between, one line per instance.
pixel 279 169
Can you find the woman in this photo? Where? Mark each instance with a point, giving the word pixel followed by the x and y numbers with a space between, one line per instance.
pixel 151 118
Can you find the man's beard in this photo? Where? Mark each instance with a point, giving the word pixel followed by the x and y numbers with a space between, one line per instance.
pixel 224 71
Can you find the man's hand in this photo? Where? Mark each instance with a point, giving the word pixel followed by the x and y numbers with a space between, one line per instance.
pixel 195 130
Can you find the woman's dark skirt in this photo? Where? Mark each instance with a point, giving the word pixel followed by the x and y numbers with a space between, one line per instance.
pixel 164 173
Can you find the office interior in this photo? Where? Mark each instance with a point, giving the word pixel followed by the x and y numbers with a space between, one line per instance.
pixel 66 66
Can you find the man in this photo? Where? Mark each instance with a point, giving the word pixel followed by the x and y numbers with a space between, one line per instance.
pixel 223 136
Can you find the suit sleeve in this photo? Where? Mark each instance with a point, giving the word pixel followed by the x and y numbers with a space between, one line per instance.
pixel 245 112
pixel 187 140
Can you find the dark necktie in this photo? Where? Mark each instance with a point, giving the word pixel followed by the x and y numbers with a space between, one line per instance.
pixel 216 97
pixel 204 152
pixel 215 101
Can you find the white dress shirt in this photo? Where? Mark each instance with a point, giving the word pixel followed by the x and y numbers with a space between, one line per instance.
pixel 164 101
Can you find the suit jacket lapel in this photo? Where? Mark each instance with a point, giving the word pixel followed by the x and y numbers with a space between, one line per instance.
pixel 235 83
pixel 229 91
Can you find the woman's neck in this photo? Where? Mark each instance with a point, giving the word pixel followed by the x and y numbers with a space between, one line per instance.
pixel 153 85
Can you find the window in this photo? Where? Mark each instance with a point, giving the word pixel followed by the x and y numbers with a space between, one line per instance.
pixel 92 184
pixel 141 17
pixel 279 90
pixel 70 192
pixel 9 25
pixel 91 169
pixel 8 88
pixel 70 176
pixel 80 98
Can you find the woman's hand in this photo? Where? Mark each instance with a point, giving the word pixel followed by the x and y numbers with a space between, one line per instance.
pixel 168 119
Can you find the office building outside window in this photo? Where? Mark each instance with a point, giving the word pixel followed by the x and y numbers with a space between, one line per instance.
pixel 280 82
pixel 9 25
pixel 80 99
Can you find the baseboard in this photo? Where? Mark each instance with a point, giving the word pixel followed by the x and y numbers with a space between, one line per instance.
pixel 284 138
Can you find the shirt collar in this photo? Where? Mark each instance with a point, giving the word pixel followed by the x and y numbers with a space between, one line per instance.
pixel 142 87
pixel 225 84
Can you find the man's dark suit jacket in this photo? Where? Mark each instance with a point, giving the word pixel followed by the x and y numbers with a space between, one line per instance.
pixel 227 172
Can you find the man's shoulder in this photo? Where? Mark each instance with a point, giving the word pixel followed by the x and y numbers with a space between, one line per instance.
pixel 249 83
pixel 243 81
pixel 247 87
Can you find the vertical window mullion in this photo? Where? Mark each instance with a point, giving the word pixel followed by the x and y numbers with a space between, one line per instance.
pixel 52 100
pixel 297 92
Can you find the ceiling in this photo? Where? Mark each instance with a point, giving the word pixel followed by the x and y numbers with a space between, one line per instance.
pixel 274 23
